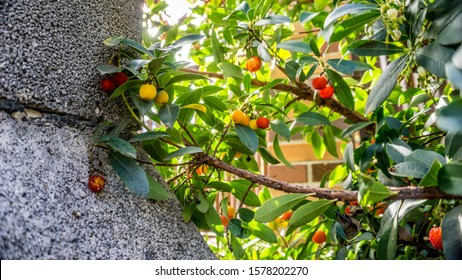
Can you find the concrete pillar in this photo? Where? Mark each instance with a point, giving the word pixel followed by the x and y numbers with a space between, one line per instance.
pixel 50 103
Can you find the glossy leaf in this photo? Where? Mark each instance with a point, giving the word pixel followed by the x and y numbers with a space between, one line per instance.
pixel 329 141
pixel 198 107
pixel 351 24
pixel 185 77
pixel 452 234
pixel 157 191
pixel 400 209
pixel 373 48
pixel 184 151
pixel 398 150
pixel 433 57
pixel 239 190
pixel 108 69
pixel 431 178
pixel 348 9
pixel 280 128
pixel 273 19
pixel 310 211
pixel 191 38
pixel 119 145
pixel 342 89
pixel 450 179
pixel 267 156
pixel 128 170
pixel 295 46
pixel 355 127
pixel 263 232
pixel 312 119
pixel 453 147
pixel 371 191
pixel 231 71
pixel 278 152
pixel 169 114
pixel 277 206
pixel 149 135
pixel 247 136
pixel 385 84
pixel 450 117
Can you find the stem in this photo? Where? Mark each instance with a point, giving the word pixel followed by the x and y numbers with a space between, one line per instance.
pixel 133 113
pixel 187 132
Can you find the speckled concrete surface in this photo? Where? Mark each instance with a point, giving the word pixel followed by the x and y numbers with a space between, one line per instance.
pixel 51 101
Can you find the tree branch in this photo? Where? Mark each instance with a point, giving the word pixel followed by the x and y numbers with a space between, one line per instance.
pixel 401 192
pixel 305 92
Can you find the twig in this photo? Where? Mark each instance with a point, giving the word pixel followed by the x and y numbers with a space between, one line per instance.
pixel 187 132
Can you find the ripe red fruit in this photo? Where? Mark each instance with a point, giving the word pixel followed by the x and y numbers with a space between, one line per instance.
pixel 107 85
pixel 327 92
pixel 319 237
pixel 435 238
pixel 253 64
pixel 319 83
pixel 119 78
pixel 263 123
pixel 287 215
pixel 96 183
pixel 348 210
pixel 354 203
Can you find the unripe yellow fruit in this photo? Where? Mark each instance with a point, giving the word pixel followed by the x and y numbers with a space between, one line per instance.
pixel 148 92
pixel 161 98
pixel 253 124
pixel 240 118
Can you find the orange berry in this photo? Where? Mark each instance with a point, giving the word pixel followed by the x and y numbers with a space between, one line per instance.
pixel 319 237
pixel 348 210
pixel 96 183
pixel 224 220
pixel 253 64
pixel 380 209
pixel 287 215
pixel 201 170
pixel 319 83
pixel 327 92
pixel 354 203
pixel 239 117
pixel 231 212
pixel 435 238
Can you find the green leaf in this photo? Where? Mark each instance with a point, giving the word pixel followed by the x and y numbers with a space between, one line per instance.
pixel 348 66
pixel 277 206
pixel 263 232
pixel 247 136
pixel 454 74
pixel 312 119
pixel 108 69
pixel 157 191
pixel 236 229
pixel 399 209
pixel 409 169
pixel 352 24
pixel 150 135
pixel 453 148
pixel 398 150
pixel 348 156
pixel 450 179
pixel 185 77
pixel 309 212
pixel 271 84
pixel 213 221
pixel 264 53
pixel 246 214
pixel 314 47
pixel 184 151
pixel 371 191
pixel 125 86
pixel 119 145
pixel 318 146
pixel 385 84
pixel 295 46
pixel 215 103
pixel 342 90
pixel 191 38
pixel 202 204
pixel 273 19
pixel 156 64
pixel 386 248
pixel 267 156
pixel 154 149
pixel 143 106
pixel 425 157
pixel 113 41
pixel 238 251
pixel 452 234
pixel 355 127
pixel 240 190
pixel 280 127
pixel 217 48
pixel 373 48
pixel 169 113
pixel 128 170
pixel 278 152
pixel 293 71
pixel 247 82
pixel 450 117
pixel 220 186
pixel 136 46
pixel 231 71
pixel 348 9
pixel 433 57
pixel 329 140
pixel 431 178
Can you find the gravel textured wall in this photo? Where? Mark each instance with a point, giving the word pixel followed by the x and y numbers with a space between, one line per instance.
pixel 49 105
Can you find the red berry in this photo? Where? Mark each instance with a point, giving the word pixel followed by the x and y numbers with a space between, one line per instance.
pixel 253 64
pixel 287 215
pixel 107 85
pixel 327 92
pixel 319 237
pixel 263 123
pixel 319 83
pixel 354 203
pixel 119 78
pixel 435 238
pixel 96 183
pixel 348 210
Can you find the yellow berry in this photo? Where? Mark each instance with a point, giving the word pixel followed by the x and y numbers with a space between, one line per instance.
pixel 253 124
pixel 161 98
pixel 148 92
pixel 240 118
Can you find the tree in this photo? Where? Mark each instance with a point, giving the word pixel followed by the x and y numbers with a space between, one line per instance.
pixel 408 113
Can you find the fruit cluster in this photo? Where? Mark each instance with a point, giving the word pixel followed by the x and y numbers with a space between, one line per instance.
pixel 109 84
pixel 322 85
pixel 225 219
pixel 239 117
pixel 149 92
